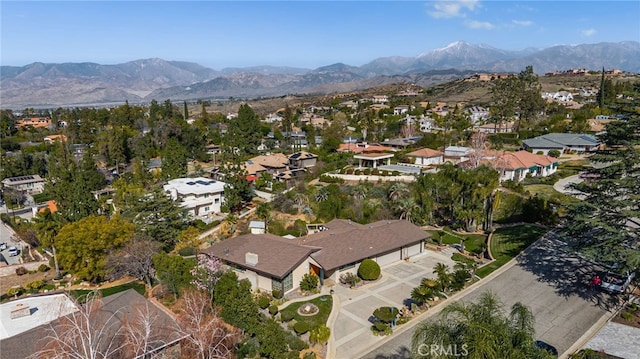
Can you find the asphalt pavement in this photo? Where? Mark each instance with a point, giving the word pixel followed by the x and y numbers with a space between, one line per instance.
pixel 8 236
pixel 552 282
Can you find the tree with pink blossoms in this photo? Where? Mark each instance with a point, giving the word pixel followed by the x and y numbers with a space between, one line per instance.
pixel 207 273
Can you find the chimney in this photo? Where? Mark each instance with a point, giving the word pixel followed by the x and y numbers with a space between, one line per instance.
pixel 19 311
pixel 251 259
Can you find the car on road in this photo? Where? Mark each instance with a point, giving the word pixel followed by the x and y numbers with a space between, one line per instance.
pixel 13 251
pixel 3 246
pixel 548 347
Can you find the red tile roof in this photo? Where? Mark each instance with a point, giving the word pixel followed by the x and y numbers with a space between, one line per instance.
pixel 425 152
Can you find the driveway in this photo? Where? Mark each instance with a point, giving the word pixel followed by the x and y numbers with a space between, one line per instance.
pixel 563 185
pixel 552 282
pixel 8 236
pixel 352 326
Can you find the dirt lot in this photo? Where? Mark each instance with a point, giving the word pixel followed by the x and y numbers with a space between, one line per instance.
pixel 9 281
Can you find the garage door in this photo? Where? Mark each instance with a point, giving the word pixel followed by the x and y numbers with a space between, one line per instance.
pixel 388 258
pixel 414 249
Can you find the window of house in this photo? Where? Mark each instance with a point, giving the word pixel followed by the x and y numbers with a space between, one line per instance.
pixel 216 201
pixel 347 266
pixel 207 195
pixel 283 285
pixel 207 209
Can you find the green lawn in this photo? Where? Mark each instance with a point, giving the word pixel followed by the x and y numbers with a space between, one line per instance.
pixel 138 286
pixel 547 191
pixel 471 241
pixel 315 320
pixel 508 242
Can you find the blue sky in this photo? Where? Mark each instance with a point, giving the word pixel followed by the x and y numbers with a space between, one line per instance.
pixel 308 34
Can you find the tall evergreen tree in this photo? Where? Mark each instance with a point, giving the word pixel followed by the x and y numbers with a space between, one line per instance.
pixel 604 225
pixel 530 100
pixel 174 160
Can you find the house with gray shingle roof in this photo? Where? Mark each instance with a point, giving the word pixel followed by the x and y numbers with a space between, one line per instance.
pixel 563 142
pixel 270 262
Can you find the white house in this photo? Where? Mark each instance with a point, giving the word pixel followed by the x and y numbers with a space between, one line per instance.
pixel 426 157
pixel 200 196
pixel 31 184
pixel 516 166
pixel 478 114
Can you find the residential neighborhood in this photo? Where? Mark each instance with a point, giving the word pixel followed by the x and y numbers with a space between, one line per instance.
pixel 342 224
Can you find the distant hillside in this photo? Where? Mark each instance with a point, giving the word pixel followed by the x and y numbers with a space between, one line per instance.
pixel 68 84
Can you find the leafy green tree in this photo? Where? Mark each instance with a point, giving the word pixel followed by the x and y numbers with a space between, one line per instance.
pixel 530 100
pixel 236 301
pixel 174 271
pixel 157 216
pixel 244 133
pixel 71 186
pixel 83 245
pixel 601 226
pixel 481 329
pixel 174 160
pixel 504 100
pixel 48 224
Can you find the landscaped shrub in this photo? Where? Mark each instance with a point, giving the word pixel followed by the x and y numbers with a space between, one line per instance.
pixel 263 302
pixel 21 271
pixel 554 153
pixel 276 293
pixel 296 344
pixel 14 291
pixel 367 171
pixel 43 268
pixel 375 172
pixel 320 334
pixel 386 314
pixel 286 316
pixel 309 282
pixel 273 309
pixel 187 251
pixel 381 327
pixel 369 270
pixel 301 327
pixel 35 285
pixel 349 279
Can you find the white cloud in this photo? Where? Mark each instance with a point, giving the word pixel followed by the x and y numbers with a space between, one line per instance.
pixel 484 25
pixel 452 8
pixel 522 22
pixel 589 32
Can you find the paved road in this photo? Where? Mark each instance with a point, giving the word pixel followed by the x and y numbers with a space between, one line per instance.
pixel 8 236
pixel 552 283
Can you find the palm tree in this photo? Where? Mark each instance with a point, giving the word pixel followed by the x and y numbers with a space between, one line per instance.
pixel 406 208
pixel 481 329
pixel 264 212
pixel 300 202
pixel 398 190
pixel 48 224
pixel 422 294
pixel 322 194
pixel 359 192
pixel 441 270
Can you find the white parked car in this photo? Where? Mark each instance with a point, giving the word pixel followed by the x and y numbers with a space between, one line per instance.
pixel 3 246
pixel 13 251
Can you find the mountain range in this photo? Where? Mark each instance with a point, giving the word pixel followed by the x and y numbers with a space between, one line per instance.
pixel 74 84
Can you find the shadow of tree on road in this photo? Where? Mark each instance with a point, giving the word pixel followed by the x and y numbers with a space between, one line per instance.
pixel 568 273
pixel 401 353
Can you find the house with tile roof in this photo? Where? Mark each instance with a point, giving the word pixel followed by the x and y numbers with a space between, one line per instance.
pixel 563 142
pixel 516 166
pixel 270 262
pixel 426 157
